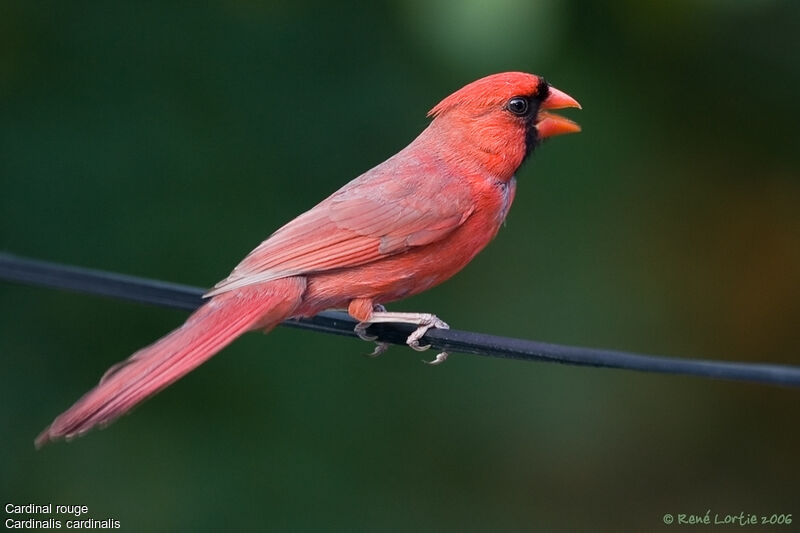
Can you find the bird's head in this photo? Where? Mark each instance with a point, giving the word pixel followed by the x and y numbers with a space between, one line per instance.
pixel 504 116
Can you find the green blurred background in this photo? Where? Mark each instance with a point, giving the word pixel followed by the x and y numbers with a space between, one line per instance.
pixel 168 140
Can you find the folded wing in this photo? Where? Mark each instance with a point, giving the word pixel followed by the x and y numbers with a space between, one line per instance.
pixel 386 211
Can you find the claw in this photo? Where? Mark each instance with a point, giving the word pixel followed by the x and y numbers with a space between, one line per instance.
pixel 430 321
pixel 414 345
pixel 361 331
pixel 380 347
pixel 440 358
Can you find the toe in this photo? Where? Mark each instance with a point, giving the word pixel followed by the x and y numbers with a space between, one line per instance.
pixel 380 347
pixel 440 358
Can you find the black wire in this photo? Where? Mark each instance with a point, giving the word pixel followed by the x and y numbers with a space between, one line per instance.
pixel 142 290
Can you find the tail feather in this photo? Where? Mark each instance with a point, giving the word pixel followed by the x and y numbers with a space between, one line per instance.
pixel 155 367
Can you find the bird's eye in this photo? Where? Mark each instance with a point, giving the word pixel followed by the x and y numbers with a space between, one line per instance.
pixel 518 105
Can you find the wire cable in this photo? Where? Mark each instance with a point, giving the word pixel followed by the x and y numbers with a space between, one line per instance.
pixel 58 276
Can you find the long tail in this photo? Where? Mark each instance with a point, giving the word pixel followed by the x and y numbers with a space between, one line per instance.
pixel 153 368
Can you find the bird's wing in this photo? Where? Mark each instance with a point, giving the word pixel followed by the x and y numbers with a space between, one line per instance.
pixel 376 215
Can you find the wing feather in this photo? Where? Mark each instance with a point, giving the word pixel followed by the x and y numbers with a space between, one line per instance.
pixel 383 212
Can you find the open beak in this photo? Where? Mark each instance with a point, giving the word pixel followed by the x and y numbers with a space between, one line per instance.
pixel 550 124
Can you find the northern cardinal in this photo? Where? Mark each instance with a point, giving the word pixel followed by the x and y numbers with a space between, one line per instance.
pixel 406 225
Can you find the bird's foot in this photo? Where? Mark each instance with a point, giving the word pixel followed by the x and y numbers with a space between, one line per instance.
pixel 423 321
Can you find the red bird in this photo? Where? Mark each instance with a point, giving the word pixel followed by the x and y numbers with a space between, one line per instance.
pixel 406 225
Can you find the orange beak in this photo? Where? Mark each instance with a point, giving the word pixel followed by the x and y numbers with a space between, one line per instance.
pixel 550 124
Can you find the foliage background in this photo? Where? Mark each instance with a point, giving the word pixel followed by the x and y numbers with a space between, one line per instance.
pixel 166 140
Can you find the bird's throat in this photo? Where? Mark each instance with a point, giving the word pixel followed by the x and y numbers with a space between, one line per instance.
pixel 486 149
